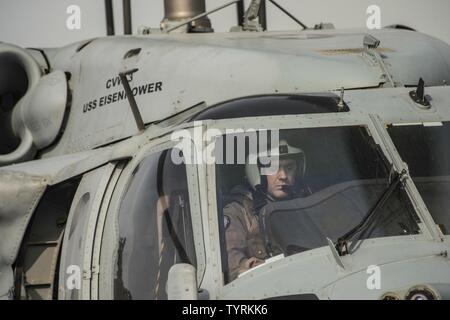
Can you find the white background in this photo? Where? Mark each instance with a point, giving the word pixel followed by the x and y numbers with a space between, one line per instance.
pixel 42 23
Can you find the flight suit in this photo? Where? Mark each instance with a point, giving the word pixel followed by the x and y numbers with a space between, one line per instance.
pixel 244 241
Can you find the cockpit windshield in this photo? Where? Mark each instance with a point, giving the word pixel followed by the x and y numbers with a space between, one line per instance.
pixel 425 147
pixel 324 182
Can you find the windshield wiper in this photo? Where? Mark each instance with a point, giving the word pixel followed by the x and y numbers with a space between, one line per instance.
pixel 366 222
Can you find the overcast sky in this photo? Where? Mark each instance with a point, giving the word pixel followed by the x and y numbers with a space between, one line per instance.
pixel 42 23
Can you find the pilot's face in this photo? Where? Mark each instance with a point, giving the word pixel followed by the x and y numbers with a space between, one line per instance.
pixel 279 184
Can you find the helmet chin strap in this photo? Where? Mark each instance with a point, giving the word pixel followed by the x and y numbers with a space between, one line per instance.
pixel 262 189
pixel 260 195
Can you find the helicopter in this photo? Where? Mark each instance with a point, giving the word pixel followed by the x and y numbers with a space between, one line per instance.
pixel 94 206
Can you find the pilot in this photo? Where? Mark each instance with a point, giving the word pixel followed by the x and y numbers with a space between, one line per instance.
pixel 244 241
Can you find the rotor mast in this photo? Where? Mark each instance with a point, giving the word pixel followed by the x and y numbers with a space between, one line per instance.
pixel 176 11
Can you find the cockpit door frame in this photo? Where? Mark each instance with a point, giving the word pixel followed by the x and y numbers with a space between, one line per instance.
pixel 81 225
pixel 109 239
pixel 96 251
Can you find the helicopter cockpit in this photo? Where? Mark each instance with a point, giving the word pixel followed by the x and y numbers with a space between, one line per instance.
pixel 340 193
pixel 354 191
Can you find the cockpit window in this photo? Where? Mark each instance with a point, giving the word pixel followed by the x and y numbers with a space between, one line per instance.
pixel 426 149
pixel 326 181
pixel 155 228
pixel 272 105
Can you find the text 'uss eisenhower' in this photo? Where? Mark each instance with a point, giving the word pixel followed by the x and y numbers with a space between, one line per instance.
pixel 120 95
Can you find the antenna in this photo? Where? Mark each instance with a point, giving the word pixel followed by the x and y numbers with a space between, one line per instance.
pixel 127 17
pixel 341 104
pixel 262 15
pixel 109 17
pixel 240 11
pixel 419 94
pixel 288 14
pixel 134 108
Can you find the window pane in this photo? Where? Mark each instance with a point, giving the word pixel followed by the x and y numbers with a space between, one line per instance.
pixel 326 182
pixel 272 105
pixel 154 227
pixel 426 150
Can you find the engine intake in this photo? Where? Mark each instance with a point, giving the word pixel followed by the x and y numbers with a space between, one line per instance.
pixel 32 106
